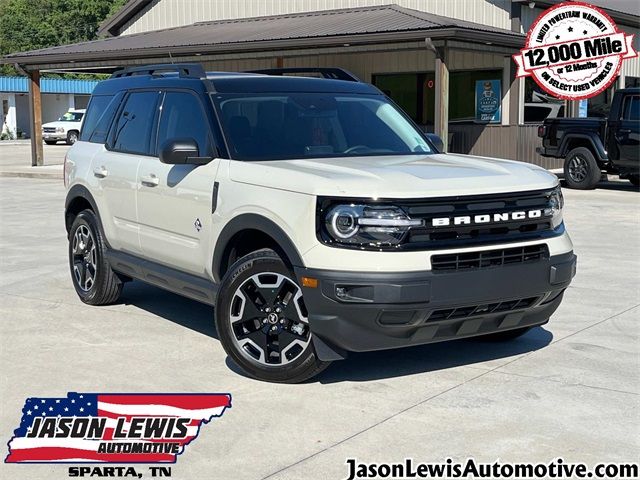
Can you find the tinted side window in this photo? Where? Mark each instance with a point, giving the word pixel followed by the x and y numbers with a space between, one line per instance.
pixel 134 125
pixel 632 108
pixel 96 109
pixel 101 129
pixel 182 117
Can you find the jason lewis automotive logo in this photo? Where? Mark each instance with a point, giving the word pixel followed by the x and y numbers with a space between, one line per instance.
pixel 574 51
pixel 112 428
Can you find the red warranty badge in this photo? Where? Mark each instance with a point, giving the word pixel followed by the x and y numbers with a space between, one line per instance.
pixel 574 50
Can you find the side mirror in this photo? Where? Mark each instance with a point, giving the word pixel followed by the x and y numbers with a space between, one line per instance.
pixel 437 141
pixel 181 151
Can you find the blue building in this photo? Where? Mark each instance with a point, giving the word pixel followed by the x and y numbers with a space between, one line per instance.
pixel 58 96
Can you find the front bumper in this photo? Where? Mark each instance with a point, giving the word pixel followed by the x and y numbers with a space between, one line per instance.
pixel 392 310
pixel 54 136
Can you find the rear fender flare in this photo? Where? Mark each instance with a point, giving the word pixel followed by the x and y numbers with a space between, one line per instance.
pixel 594 141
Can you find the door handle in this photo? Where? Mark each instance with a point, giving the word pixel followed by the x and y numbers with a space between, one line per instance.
pixel 150 181
pixel 624 130
pixel 100 172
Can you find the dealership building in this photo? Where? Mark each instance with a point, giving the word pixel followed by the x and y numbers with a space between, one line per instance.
pixel 433 57
pixel 58 95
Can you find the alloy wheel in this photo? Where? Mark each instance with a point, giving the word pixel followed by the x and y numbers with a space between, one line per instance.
pixel 73 138
pixel 578 168
pixel 84 258
pixel 269 320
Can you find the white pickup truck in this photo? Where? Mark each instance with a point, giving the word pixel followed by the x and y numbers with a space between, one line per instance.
pixel 66 128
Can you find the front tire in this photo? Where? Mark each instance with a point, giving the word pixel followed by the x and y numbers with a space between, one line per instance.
pixel 262 320
pixel 581 171
pixel 93 279
pixel 72 137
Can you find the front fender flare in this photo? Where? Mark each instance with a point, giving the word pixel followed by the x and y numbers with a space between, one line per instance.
pixel 252 221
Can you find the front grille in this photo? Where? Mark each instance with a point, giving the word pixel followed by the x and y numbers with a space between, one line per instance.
pixel 488 258
pixel 494 231
pixel 484 309
pixel 49 129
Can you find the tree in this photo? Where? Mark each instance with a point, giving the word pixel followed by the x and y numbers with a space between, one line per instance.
pixel 32 24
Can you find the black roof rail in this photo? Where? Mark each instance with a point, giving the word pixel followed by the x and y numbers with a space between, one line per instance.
pixel 184 70
pixel 332 73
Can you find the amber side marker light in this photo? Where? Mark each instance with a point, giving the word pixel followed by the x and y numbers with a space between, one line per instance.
pixel 309 282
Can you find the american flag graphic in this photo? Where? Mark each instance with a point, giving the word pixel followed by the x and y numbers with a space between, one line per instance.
pixel 113 428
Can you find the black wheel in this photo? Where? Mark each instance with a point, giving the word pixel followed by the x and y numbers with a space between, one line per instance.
pixel 50 142
pixel 262 320
pixel 506 335
pixel 72 137
pixel 93 279
pixel 581 171
pixel 635 180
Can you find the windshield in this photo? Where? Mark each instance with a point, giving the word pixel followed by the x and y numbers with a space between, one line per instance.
pixel 315 125
pixel 71 117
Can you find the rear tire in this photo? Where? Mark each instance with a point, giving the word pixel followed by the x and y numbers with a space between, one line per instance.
pixel 635 180
pixel 93 279
pixel 581 171
pixel 506 335
pixel 262 321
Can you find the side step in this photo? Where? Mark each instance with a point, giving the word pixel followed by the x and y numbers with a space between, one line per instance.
pixel 175 281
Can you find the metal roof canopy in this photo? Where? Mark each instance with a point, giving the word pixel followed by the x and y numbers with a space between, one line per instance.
pixel 353 26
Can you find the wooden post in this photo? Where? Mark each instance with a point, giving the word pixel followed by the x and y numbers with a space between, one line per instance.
pixel 441 121
pixel 35 111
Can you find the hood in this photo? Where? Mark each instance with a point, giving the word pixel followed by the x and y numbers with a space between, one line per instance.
pixel 403 176
pixel 57 123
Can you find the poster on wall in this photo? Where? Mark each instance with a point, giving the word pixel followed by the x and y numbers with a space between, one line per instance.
pixel 488 104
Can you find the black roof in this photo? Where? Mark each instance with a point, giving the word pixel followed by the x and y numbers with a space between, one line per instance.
pixel 256 83
pixel 233 82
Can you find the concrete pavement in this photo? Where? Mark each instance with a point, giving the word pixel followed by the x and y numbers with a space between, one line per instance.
pixel 15 160
pixel 570 389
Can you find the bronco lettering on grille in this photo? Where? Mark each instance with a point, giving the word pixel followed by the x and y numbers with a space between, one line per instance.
pixel 485 218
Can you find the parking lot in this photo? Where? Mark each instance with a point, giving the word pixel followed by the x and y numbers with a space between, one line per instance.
pixel 568 389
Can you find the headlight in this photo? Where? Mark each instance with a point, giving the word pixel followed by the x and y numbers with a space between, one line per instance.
pixel 554 208
pixel 369 225
pixel 59 129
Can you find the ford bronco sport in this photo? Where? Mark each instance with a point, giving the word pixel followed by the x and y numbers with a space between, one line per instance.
pixel 311 212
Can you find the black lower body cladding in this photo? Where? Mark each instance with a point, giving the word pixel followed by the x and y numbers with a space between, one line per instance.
pixel 364 311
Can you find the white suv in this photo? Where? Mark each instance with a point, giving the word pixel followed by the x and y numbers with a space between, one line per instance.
pixel 311 212
pixel 66 128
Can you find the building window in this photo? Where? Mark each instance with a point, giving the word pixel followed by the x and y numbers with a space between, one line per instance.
pixel 462 93
pixel 599 105
pixel 413 92
pixel 631 82
pixel 539 105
